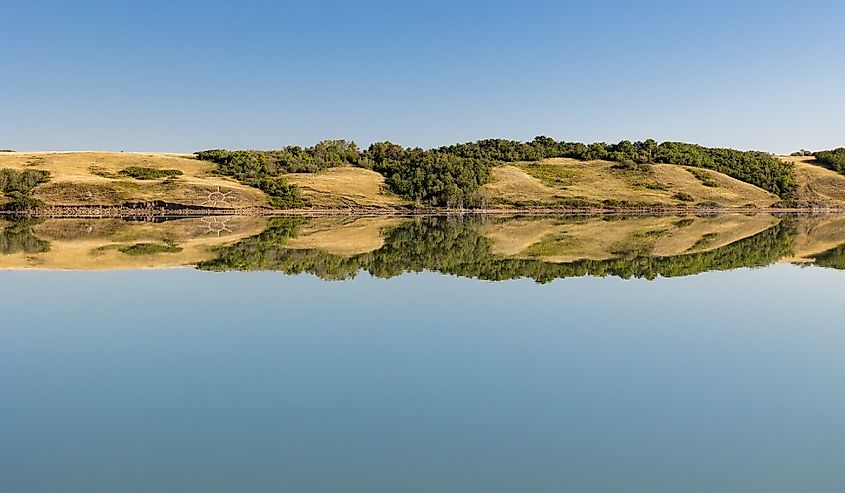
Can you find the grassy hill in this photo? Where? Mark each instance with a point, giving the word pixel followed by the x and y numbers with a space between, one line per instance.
pixel 345 187
pixel 816 184
pixel 112 179
pixel 100 178
pixel 561 182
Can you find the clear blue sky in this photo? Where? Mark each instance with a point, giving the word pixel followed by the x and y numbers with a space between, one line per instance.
pixel 181 76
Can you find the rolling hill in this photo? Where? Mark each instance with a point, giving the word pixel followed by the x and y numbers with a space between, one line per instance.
pixel 115 179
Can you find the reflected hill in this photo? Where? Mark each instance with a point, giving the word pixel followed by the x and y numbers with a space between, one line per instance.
pixel 488 247
pixel 541 249
pixel 103 244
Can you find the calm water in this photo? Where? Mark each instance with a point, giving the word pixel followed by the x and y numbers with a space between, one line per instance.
pixel 650 357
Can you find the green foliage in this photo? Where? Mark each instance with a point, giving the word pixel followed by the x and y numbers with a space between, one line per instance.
pixel 704 178
pixel 144 173
pixel 18 185
pixel 283 195
pixel 21 202
pixel 251 165
pixel 18 237
pixel 683 197
pixel 21 181
pixel 256 252
pixel 102 172
pixel 455 246
pixel 834 160
pixel 433 177
pixel 833 258
pixel 150 249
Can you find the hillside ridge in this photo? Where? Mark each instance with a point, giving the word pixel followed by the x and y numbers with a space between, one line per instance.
pixel 95 183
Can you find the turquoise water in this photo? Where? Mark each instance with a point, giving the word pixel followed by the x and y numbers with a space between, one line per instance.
pixel 182 380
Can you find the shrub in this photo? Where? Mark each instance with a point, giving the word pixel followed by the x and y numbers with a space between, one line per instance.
pixel 144 173
pixel 704 178
pixel 149 249
pixel 18 186
pixel 22 181
pixel 283 195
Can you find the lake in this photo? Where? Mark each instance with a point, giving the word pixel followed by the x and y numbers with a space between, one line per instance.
pixel 448 354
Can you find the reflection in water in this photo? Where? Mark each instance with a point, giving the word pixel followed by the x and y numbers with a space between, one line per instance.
pixel 186 380
pixel 490 248
pixel 456 246
pixel 18 238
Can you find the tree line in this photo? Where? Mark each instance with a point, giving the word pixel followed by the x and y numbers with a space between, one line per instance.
pixel 450 176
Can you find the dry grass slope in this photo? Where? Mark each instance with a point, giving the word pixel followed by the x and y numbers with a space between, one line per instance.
pixel 342 236
pixel 345 187
pixel 102 244
pixel 561 182
pixel 817 234
pixel 566 240
pixel 91 178
pixel 818 185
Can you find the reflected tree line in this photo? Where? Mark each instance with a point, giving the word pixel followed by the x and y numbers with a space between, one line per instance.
pixel 455 246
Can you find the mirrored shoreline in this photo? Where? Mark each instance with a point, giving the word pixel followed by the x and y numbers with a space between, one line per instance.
pixel 491 247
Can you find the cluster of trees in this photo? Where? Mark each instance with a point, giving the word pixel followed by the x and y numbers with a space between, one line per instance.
pixel 802 152
pixel 18 185
pixel 450 176
pixel 433 177
pixel 834 160
pixel 245 165
pixel 454 246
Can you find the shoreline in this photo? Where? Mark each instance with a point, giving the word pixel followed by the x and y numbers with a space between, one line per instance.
pixel 87 212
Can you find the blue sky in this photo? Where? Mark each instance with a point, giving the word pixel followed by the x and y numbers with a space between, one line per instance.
pixel 183 76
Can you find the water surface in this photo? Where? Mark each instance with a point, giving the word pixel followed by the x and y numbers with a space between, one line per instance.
pixel 646 362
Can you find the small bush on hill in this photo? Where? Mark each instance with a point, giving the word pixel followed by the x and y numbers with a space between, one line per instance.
pixel 144 173
pixel 149 249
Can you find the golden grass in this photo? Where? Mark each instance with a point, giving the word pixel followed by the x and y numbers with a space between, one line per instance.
pixel 95 244
pixel 74 180
pixel 344 237
pixel 816 184
pixel 345 186
pixel 567 240
pixel 556 182
pixel 817 234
